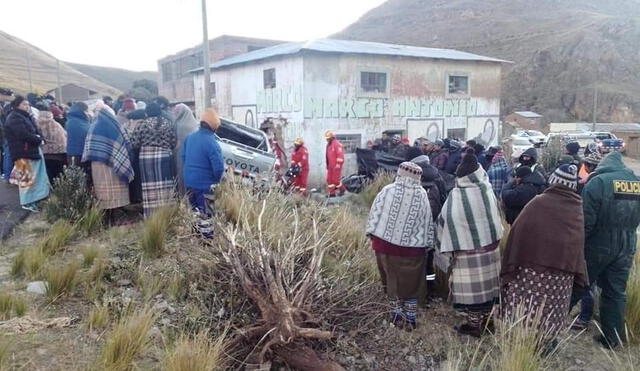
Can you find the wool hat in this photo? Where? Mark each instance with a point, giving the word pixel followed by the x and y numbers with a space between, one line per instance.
pixel 153 110
pixel 594 158
pixel 469 163
pixel 129 104
pixel 523 171
pixel 573 148
pixel 211 118
pixel 410 170
pixel 567 175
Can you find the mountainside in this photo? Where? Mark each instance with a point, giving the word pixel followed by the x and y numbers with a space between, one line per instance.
pixel 561 49
pixel 15 57
pixel 117 77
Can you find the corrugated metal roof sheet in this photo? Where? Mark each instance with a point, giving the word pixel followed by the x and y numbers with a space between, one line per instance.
pixel 356 47
pixel 604 126
pixel 528 114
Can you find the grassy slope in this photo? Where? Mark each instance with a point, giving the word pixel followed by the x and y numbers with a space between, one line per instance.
pixel 117 77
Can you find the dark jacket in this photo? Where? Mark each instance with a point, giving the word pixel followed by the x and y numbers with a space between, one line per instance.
pixel 534 165
pixel 22 135
pixel 439 159
pixel 453 161
pixel 433 183
pixel 516 196
pixel 611 202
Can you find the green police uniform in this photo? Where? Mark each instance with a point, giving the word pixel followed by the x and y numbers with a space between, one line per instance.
pixel 611 202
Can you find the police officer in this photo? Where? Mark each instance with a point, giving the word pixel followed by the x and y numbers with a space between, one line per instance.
pixel 611 202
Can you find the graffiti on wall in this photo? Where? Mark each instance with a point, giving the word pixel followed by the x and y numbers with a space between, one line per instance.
pixel 287 100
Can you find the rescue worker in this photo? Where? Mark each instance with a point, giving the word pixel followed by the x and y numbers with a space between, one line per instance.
pixel 335 161
pixel 611 203
pixel 300 159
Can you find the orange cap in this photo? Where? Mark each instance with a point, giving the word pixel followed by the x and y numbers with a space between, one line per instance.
pixel 211 118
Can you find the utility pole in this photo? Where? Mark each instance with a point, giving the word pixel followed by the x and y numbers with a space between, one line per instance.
pixel 26 53
pixel 595 105
pixel 59 90
pixel 205 53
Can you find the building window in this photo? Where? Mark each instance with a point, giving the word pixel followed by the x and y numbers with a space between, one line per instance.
pixel 167 72
pixel 375 82
pixel 269 78
pixel 458 84
pixel 350 142
pixel 212 90
pixel 459 134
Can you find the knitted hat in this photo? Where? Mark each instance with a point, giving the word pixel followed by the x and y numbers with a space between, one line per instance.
pixel 594 158
pixel 523 171
pixel 129 104
pixel 468 165
pixel 211 118
pixel 567 175
pixel 410 170
pixel 573 148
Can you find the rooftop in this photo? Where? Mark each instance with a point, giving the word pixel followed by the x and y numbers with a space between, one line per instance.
pixel 605 126
pixel 351 47
pixel 528 114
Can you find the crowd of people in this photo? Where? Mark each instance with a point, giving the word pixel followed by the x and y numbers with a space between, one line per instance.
pixel 572 229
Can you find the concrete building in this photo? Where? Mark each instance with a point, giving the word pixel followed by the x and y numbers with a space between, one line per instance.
pixel 175 81
pixel 628 132
pixel 358 89
pixel 74 93
pixel 526 120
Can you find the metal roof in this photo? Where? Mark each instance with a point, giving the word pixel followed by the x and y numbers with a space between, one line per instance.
pixel 351 47
pixel 528 114
pixel 610 126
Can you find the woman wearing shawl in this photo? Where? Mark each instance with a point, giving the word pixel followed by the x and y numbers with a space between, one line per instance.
pixel 498 172
pixel 24 141
pixel 185 125
pixel 469 230
pixel 55 143
pixel 108 151
pixel 77 129
pixel 401 227
pixel 155 137
pixel 544 257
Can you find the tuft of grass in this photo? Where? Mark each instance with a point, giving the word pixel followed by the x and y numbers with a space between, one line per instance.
pixel 29 263
pixel 61 281
pixel 96 272
pixel 155 231
pixel 374 187
pixel 10 305
pixel 17 266
pixel 5 352
pixel 149 284
pixel 128 340
pixel 91 221
pixel 176 287
pixel 58 236
pixel 196 354
pixel 20 307
pixel 89 255
pixel 632 316
pixel 98 317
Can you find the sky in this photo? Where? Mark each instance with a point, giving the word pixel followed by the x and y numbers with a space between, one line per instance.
pixel 134 34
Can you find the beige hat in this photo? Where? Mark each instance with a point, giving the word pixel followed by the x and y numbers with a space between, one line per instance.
pixel 211 118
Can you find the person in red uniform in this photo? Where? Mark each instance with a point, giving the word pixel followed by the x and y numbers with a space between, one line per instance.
pixel 335 161
pixel 300 158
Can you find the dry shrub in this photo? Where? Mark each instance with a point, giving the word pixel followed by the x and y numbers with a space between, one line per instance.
pixel 98 317
pixel 91 221
pixel 128 340
pixel 149 283
pixel 10 306
pixel 29 263
pixel 89 255
pixel 371 190
pixel 5 353
pixel 156 229
pixel 61 281
pixel 633 302
pixel 69 198
pixel 198 353
pixel 58 236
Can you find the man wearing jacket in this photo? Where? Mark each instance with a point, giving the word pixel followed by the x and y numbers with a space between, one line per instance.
pixel 335 162
pixel 516 194
pixel 611 202
pixel 300 159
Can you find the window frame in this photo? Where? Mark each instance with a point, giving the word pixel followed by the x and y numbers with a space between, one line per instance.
pixel 370 89
pixel 264 78
pixel 457 74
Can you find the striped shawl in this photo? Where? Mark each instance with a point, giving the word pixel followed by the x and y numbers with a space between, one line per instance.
pixel 470 219
pixel 106 144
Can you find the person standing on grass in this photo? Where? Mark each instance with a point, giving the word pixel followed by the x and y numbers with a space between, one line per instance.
pixel 469 231
pixel 107 149
pixel 544 256
pixel 155 137
pixel 55 143
pixel 186 124
pixel 77 130
pixel 300 159
pixel 400 227
pixel 611 202
pixel 203 169
pixel 335 162
pixel 24 140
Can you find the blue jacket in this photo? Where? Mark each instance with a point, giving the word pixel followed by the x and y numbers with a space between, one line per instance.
pixel 77 128
pixel 202 159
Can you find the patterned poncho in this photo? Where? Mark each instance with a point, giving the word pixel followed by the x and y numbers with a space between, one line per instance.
pixel 401 215
pixel 470 219
pixel 106 144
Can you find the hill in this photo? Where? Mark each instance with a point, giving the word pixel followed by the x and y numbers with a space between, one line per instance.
pixel 15 57
pixel 560 48
pixel 117 77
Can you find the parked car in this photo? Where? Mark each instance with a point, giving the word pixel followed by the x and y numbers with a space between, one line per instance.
pixel 520 144
pixel 536 137
pixel 608 142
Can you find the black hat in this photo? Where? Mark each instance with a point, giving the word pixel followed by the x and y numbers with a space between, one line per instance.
pixel 573 148
pixel 153 110
pixel 468 165
pixel 523 171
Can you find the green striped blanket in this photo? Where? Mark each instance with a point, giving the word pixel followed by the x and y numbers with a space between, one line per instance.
pixel 470 218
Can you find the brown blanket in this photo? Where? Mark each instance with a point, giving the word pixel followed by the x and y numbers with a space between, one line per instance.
pixel 548 235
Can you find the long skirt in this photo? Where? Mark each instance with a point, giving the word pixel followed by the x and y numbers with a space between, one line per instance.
pixel 158 180
pixel 109 189
pixel 475 277
pixel 402 276
pixel 31 178
pixel 546 291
